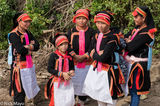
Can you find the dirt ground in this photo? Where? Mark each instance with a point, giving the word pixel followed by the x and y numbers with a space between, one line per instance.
pixel 153 99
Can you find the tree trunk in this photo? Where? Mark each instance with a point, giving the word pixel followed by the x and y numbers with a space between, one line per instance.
pixel 0 25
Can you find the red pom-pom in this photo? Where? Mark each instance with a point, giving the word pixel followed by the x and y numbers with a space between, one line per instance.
pixel 57 33
pixel 153 30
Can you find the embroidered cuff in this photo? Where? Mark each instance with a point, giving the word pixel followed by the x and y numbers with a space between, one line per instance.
pixel 60 74
pixel 92 52
pixel 87 55
pixel 72 53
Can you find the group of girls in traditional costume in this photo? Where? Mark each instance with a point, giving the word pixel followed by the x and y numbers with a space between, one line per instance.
pixel 86 62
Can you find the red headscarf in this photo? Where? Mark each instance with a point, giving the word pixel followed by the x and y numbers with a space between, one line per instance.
pixel 140 11
pixel 103 16
pixel 24 17
pixel 81 12
pixel 61 39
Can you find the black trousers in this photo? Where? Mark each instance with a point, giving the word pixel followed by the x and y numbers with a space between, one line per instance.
pixel 82 98
pixel 19 97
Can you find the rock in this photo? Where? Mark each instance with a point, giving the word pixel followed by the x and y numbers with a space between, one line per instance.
pixel 4 95
pixel 155 73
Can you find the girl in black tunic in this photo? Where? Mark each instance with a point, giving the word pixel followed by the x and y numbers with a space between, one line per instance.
pixel 19 50
pixel 80 38
pixel 139 53
pixel 59 87
pixel 103 80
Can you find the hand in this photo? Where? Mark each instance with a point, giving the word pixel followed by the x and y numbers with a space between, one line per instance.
pixel 32 42
pixel 101 52
pixel 71 73
pixel 127 58
pixel 83 57
pixel 26 46
pixel 66 76
pixel 128 39
pixel 80 58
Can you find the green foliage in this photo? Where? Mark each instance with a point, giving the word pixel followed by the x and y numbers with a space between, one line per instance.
pixel 5 22
pixel 37 11
pixel 33 8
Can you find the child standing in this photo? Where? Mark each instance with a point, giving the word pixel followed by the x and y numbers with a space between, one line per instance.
pixel 80 39
pixel 59 87
pixel 103 80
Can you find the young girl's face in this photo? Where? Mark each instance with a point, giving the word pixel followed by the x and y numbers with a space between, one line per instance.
pixel 81 21
pixel 63 47
pixel 24 24
pixel 139 20
pixel 102 27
